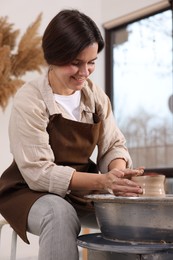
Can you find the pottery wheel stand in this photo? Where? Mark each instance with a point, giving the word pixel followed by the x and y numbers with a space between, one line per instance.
pixel 103 249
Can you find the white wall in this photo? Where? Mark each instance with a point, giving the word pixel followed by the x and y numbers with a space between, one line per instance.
pixel 112 9
pixel 22 13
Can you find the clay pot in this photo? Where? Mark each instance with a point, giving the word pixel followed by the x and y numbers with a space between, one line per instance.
pixel 153 185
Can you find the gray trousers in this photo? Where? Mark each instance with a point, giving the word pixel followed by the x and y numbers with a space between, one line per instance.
pixel 56 223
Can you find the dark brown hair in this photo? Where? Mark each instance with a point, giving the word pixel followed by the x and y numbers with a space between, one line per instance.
pixel 67 34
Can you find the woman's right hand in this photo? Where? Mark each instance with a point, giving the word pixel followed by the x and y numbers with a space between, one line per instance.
pixel 117 182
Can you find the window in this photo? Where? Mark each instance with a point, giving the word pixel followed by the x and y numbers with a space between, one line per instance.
pixel 139 82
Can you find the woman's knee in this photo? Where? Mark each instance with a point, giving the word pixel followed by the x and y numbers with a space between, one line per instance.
pixel 54 213
pixel 62 212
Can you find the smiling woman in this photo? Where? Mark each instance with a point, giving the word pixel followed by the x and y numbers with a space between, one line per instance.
pixel 66 79
pixel 56 122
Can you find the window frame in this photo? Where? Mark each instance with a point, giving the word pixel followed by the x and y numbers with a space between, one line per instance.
pixel 112 26
pixel 109 29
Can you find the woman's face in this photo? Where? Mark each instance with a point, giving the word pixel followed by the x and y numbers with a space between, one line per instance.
pixel 66 79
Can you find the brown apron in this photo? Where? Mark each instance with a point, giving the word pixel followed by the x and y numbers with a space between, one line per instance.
pixel 72 143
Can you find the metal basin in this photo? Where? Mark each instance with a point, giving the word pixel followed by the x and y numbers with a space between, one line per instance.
pixel 145 219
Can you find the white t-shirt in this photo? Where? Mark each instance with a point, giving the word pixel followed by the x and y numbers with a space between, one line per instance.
pixel 70 103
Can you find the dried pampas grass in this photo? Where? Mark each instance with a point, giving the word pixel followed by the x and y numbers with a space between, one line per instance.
pixel 15 61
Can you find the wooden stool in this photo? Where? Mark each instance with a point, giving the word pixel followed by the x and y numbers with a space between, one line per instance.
pixel 84 250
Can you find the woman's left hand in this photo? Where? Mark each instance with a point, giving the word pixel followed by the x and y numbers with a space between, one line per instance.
pixel 121 185
pixel 129 173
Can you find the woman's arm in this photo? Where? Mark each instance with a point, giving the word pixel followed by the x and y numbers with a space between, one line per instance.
pixel 113 181
pixel 118 163
pixel 111 143
pixel 29 143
